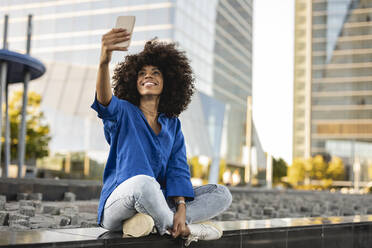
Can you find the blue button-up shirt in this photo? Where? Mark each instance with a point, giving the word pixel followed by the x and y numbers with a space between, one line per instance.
pixel 135 149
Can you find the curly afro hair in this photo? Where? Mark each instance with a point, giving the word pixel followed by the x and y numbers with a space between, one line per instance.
pixel 178 77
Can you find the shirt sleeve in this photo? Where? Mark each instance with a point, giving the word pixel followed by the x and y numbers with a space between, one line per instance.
pixel 110 112
pixel 177 178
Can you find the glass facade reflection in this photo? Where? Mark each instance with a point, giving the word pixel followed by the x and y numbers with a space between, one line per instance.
pixel 333 79
pixel 233 67
pixel 216 35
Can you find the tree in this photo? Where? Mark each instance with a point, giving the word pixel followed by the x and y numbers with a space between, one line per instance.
pixel 279 169
pixel 37 132
pixel 316 168
pixel 369 168
pixel 319 168
pixel 296 172
pixel 336 169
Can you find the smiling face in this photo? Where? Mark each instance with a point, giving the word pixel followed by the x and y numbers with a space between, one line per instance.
pixel 149 81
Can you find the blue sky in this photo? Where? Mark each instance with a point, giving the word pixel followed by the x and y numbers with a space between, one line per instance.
pixel 273 51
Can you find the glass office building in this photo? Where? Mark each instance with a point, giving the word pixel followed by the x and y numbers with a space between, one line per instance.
pixel 217 38
pixel 333 79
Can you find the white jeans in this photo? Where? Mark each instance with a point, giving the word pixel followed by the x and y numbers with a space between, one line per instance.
pixel 143 194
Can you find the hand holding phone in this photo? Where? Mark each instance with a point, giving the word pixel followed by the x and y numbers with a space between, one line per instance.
pixel 127 23
pixel 117 39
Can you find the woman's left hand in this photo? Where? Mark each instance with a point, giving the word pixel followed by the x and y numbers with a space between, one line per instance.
pixel 179 221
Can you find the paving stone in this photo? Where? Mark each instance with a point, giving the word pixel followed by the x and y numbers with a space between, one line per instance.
pixel 315 214
pixel 36 196
pixel 22 196
pixel 74 218
pixel 38 206
pixel 89 216
pixel 51 209
pixel 241 208
pixel 315 208
pixel 256 217
pixel 215 218
pixel 88 224
pixel 17 227
pixel 228 215
pixel 2 198
pixel 41 221
pixel 305 209
pixel 24 203
pixel 62 220
pixel 70 226
pixel 261 205
pixel 43 225
pixel 369 210
pixel 21 222
pixel 268 211
pixel 257 212
pixel 41 218
pixel 294 209
pixel 4 228
pixel 87 207
pixel 69 196
pixel 348 212
pixel 4 217
pixel 264 217
pixel 27 210
pixel 283 213
pixel 243 216
pixel 275 206
pixel 69 210
pixel 322 209
pixel 234 206
pixel 333 207
pixel 17 216
pixel 12 206
pixel 334 213
pixel 247 204
pixel 357 207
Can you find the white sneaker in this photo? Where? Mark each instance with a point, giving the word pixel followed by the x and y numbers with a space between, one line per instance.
pixel 203 231
pixel 138 225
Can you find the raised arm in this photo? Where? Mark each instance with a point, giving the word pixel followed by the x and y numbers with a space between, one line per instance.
pixel 109 41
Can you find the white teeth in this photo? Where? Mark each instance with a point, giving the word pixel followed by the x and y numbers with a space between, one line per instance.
pixel 148 84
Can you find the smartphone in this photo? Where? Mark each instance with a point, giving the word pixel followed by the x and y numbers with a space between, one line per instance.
pixel 125 22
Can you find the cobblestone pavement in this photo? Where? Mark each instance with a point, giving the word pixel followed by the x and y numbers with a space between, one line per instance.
pixel 249 205
pixel 30 212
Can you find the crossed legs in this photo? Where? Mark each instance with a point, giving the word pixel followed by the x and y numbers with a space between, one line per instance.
pixel 143 194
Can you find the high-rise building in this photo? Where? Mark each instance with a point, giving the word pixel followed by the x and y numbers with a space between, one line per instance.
pixel 216 35
pixel 333 79
pixel 232 71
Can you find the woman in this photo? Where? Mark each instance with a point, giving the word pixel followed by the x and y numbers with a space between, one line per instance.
pixel 146 180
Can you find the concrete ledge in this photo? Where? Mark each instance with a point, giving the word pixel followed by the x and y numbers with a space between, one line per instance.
pixel 350 231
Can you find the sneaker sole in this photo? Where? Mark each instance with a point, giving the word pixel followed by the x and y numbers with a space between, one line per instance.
pixel 138 226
